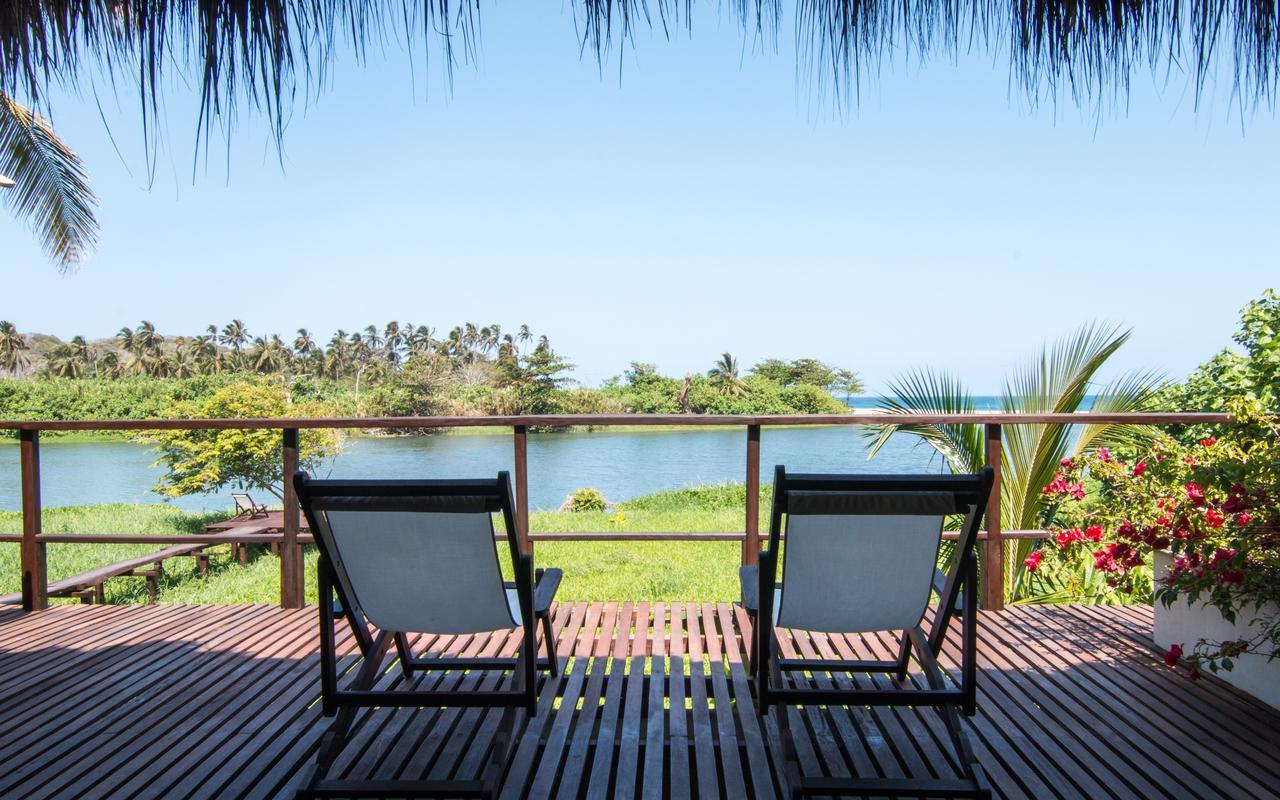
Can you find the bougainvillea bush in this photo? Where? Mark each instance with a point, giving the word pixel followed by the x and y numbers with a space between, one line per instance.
pixel 1214 505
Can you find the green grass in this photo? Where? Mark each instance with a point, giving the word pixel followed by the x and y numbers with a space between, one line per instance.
pixel 705 571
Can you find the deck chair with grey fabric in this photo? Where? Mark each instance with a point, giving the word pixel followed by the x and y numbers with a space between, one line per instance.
pixel 861 556
pixel 400 559
pixel 245 507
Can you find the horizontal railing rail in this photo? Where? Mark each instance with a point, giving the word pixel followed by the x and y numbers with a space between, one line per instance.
pixel 290 539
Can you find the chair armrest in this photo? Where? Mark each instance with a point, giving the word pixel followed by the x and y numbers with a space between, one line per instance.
pixel 544 591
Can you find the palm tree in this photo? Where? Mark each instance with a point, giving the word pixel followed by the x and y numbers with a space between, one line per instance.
pixel 234 336
pixel 1058 382
pixel 107 365
pixel 725 375
pixel 146 339
pixel 12 344
pixel 50 188
pixel 524 335
pixel 70 360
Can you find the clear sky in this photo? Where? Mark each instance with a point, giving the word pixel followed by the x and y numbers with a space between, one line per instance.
pixel 703 202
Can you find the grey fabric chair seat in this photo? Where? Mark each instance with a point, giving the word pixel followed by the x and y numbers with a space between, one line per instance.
pixel 415 564
pixel 861 556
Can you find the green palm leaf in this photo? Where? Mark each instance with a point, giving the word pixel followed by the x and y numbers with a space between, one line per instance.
pixel 51 189
pixel 1058 381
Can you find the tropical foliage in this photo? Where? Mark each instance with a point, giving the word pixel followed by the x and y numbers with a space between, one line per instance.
pixel 1214 505
pixel 50 187
pixel 199 461
pixel 398 369
pixel 1061 380
pixel 1251 371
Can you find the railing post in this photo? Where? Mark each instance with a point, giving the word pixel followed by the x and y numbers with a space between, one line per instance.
pixel 35 577
pixel 293 590
pixel 521 442
pixel 993 547
pixel 751 542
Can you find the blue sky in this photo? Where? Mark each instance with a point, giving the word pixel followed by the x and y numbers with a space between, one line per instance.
pixel 704 202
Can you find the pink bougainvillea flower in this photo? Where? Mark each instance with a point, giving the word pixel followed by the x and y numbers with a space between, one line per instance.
pixel 1032 561
pixel 1243 518
pixel 1066 463
pixel 1213 518
pixel 1058 485
pixel 1069 537
pixel 1195 494
pixel 1139 468
pixel 1104 454
pixel 1173 655
pixel 1076 490
pixel 1093 533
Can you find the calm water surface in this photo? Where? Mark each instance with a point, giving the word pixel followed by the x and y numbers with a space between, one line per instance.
pixel 620 464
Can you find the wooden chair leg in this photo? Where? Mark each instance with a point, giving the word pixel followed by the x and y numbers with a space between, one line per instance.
pixel 550 638
pixel 99 593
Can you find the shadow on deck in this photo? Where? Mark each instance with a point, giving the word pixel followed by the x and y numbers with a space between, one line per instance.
pixel 218 702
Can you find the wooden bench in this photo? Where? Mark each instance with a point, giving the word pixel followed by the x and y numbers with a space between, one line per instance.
pixel 87 586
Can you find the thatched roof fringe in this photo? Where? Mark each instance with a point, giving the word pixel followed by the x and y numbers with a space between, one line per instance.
pixel 263 52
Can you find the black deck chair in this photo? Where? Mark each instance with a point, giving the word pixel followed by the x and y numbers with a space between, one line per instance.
pixel 860 556
pixel 399 558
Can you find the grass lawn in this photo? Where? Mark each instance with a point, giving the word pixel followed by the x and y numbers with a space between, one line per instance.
pixel 593 570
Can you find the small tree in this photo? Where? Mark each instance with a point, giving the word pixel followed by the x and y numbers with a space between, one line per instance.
pixel 201 461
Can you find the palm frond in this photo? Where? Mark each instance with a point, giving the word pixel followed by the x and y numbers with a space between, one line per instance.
pixel 51 190
pixel 929 392
pixel 1136 391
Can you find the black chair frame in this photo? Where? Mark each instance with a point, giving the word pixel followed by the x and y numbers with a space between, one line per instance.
pixel 338 600
pixel 957 591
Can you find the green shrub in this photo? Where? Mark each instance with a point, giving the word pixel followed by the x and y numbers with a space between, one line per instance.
pixel 587 500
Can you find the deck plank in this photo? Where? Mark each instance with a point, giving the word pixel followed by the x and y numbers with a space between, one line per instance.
pixel 219 701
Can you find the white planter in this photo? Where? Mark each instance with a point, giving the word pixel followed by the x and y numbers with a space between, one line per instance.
pixel 1185 624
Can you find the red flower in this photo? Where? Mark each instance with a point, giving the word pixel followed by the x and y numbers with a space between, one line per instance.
pixel 1189 460
pixel 1077 490
pixel 1243 518
pixel 1066 463
pixel 1195 494
pixel 1058 485
pixel 1067 538
pixel 1173 655
pixel 1213 518
pixel 1032 561
pixel 1093 533
pixel 1210 442
pixel 1104 454
pixel 1139 468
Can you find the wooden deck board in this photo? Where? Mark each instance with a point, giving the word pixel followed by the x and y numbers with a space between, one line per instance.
pixel 219 701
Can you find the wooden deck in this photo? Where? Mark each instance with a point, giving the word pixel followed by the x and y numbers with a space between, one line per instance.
pixel 217 702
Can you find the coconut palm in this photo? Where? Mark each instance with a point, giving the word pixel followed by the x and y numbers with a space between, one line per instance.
pixel 235 335
pixel 1058 382
pixel 12 344
pixel 69 360
pixel 50 188
pixel 146 339
pixel 725 375
pixel 107 365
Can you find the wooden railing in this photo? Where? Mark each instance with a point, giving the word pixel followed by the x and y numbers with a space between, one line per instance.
pixel 292 579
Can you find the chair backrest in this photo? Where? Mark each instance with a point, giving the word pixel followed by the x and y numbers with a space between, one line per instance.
pixel 415 556
pixel 243 502
pixel 861 551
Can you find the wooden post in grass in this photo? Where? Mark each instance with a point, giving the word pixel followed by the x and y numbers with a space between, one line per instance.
pixel 521 443
pixel 751 542
pixel 35 577
pixel 993 547
pixel 293 591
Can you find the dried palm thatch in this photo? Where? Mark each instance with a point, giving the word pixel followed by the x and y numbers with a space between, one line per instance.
pixel 265 51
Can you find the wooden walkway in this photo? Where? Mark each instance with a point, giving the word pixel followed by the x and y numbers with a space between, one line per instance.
pixel 217 702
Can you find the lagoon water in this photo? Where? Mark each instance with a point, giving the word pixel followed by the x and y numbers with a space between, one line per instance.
pixel 621 464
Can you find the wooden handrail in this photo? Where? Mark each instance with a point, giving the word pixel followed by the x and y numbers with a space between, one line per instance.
pixel 609 420
pixel 292 577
